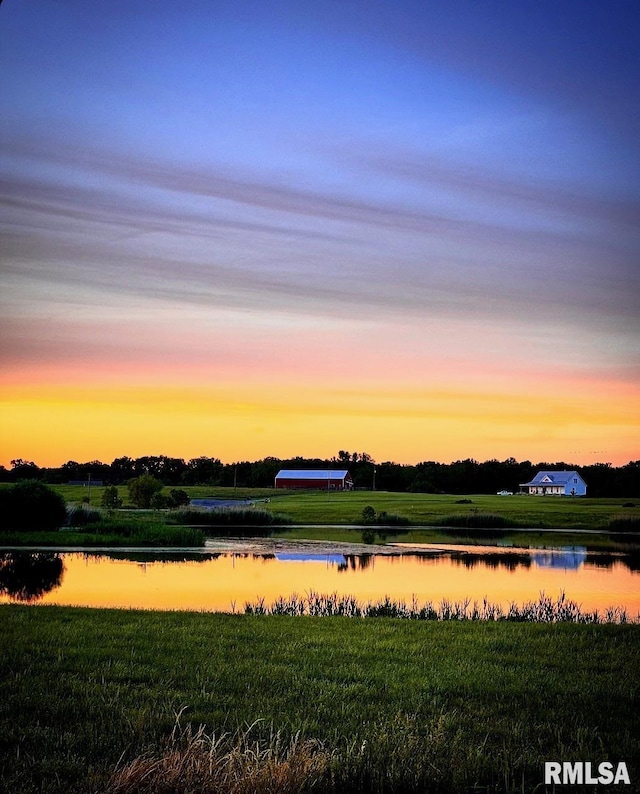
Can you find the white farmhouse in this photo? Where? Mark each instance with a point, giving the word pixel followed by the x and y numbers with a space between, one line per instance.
pixel 558 483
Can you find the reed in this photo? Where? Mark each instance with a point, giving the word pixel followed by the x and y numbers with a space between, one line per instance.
pixel 625 524
pixel 239 763
pixel 544 610
pixel 225 516
pixel 477 520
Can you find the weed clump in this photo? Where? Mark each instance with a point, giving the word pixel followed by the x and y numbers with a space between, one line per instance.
pixel 226 764
pixel 544 610
pixel 228 516
pixel 476 520
pixel 625 524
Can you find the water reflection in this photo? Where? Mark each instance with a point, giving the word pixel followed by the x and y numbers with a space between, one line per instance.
pixel 216 580
pixel 27 576
pixel 329 559
pixel 570 558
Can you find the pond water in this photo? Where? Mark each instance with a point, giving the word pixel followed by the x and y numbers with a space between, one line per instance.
pixel 225 581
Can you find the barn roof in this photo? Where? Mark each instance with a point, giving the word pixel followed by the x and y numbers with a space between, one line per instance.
pixel 312 474
pixel 553 477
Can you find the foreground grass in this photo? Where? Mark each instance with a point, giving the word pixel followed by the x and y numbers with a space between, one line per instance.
pixel 392 705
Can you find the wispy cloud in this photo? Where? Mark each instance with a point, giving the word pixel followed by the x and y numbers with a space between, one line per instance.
pixel 205 235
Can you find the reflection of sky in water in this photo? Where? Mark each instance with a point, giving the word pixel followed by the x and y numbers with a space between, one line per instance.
pixel 330 559
pixel 570 558
pixel 226 581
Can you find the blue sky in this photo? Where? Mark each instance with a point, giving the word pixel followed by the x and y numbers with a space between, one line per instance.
pixel 229 190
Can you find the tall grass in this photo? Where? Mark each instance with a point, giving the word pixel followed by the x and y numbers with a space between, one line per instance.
pixel 625 524
pixel 544 610
pixel 477 520
pixel 226 763
pixel 405 756
pixel 227 516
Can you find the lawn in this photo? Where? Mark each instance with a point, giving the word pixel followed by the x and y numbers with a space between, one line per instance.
pixel 399 705
pixel 319 507
pixel 337 516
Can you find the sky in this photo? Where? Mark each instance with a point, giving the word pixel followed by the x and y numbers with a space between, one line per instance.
pixel 247 229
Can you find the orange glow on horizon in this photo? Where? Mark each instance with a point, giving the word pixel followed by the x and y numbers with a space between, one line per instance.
pixel 407 423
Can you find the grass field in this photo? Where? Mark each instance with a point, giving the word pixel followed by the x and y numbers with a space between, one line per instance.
pixel 329 516
pixel 421 509
pixel 395 705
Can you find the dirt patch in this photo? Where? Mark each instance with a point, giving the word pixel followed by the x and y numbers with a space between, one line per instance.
pixel 284 546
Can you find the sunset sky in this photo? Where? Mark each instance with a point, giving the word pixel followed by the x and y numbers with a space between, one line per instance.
pixel 241 229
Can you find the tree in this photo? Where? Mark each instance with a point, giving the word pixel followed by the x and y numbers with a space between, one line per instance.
pixel 111 500
pixel 368 514
pixel 31 505
pixel 142 489
pixel 203 471
pixel 159 501
pixel 178 498
pixel 24 470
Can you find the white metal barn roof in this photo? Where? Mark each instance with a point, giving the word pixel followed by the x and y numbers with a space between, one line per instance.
pixel 312 474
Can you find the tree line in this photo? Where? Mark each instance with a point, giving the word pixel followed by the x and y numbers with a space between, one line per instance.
pixel 459 477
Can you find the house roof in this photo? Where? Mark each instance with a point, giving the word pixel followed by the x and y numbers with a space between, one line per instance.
pixel 312 474
pixel 552 478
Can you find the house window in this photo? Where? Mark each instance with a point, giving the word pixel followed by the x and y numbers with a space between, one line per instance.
pixel 575 479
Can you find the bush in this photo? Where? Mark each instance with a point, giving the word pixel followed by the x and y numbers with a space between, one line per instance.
pixel 111 500
pixel 31 504
pixel 178 498
pixel 368 515
pixel 142 490
pixel 159 501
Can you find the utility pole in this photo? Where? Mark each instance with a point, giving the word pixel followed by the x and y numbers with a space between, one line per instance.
pixel 374 479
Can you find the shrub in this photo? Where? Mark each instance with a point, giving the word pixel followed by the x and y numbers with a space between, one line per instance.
pixel 142 489
pixel 159 501
pixel 111 500
pixel 368 514
pixel 31 504
pixel 178 497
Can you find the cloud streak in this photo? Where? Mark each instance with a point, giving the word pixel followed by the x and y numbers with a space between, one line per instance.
pixel 256 237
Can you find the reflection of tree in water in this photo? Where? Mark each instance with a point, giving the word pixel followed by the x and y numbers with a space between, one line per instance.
pixel 509 561
pixel 356 562
pixel 603 560
pixel 27 576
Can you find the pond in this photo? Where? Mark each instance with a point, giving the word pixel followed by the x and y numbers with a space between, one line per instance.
pixel 225 580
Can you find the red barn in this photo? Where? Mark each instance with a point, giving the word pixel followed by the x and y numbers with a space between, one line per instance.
pixel 320 479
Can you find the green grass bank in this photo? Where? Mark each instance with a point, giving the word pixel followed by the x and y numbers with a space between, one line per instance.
pixel 395 705
pixel 317 507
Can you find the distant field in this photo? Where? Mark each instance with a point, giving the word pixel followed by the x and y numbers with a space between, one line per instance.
pixel 318 515
pixel 320 507
pixel 427 509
